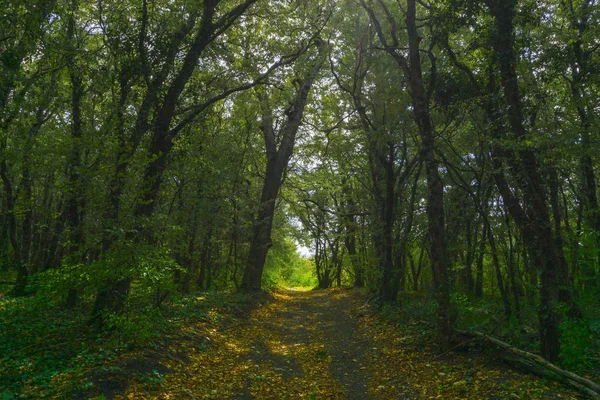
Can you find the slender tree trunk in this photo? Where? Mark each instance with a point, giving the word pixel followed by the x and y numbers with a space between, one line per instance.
pixel 467 274
pixel 350 243
pixel 389 271
pixel 73 210
pixel 565 289
pixel 205 260
pixel 350 228
pixel 411 66
pixel 480 256
pixel 512 270
pixel 580 18
pixel 336 260
pixel 416 269
pixel 498 270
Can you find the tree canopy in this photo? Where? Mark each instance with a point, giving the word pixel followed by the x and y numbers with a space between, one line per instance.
pixel 152 148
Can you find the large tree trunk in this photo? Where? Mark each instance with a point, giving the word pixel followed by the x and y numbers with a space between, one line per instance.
pixel 112 297
pixel 435 187
pixel 580 71
pixel 22 272
pixel 72 211
pixel 261 236
pixel 277 161
pixel 162 134
pixel 411 67
pixel 527 174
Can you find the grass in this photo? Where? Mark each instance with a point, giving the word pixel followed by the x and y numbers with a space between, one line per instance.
pixel 580 339
pixel 49 352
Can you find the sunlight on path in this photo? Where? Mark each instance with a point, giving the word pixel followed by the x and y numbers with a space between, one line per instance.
pixel 326 345
pixel 288 349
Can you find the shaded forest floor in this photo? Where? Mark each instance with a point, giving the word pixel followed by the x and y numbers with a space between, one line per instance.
pixel 328 344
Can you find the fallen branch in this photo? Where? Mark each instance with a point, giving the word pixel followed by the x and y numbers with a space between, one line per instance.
pixel 469 340
pixel 451 349
pixel 591 388
pixel 534 369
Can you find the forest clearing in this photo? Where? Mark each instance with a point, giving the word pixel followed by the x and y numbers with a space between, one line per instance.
pixel 168 167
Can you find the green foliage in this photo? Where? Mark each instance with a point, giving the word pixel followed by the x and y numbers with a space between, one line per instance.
pixel 410 310
pixel 580 345
pixel 77 195
pixel 47 352
pixel 140 328
pixel 39 341
pixel 286 268
pixel 473 313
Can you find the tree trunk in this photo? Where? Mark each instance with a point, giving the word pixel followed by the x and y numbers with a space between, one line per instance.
pixel 162 135
pixel 389 271
pixel 205 260
pixel 277 161
pixel 467 276
pixel 496 262
pixel 512 270
pixel 565 289
pixel 411 67
pixel 110 299
pixel 349 221
pixel 582 69
pixel 527 175
pixel 74 191
pixel 22 272
pixel 435 187
pixel 480 256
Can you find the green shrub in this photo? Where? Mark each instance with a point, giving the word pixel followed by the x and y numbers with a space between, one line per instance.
pixel 579 345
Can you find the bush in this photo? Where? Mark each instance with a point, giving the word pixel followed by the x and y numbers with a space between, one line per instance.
pixel 137 329
pixel 579 345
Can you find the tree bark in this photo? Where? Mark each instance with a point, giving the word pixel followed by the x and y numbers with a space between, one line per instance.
pixel 72 211
pixel 411 66
pixel 22 272
pixel 542 243
pixel 435 187
pixel 593 386
pixel 277 161
pixel 580 69
pixel 112 297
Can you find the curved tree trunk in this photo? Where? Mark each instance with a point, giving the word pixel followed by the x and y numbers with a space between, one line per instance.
pixel 277 161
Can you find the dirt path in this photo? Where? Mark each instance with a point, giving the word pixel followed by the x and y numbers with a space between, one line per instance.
pixel 326 345
pixel 328 325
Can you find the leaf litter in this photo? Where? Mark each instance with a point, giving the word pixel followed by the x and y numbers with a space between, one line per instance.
pixel 327 345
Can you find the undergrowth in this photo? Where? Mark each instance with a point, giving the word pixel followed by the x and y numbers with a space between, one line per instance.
pixel 580 338
pixel 49 352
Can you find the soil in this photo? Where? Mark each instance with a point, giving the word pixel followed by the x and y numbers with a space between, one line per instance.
pixel 329 344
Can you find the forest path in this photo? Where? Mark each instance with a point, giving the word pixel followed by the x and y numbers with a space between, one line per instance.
pixel 326 344
pixel 303 345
